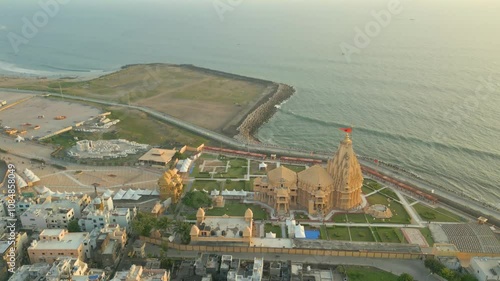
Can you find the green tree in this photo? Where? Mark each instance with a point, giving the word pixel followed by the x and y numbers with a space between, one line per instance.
pixel 434 265
pixel 183 229
pixel 447 274
pixel 73 226
pixel 405 277
pixel 163 223
pixel 468 277
pixel 197 199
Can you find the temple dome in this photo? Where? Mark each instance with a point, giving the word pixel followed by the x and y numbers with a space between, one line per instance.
pixel 248 214
pixel 200 213
pixel 194 230
pixel 316 176
pixel 282 173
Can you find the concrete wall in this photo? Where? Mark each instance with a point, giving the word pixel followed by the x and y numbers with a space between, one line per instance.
pixel 290 251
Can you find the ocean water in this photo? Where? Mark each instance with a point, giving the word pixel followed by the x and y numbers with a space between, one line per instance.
pixel 423 92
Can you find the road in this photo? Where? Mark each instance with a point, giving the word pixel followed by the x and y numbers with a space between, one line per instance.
pixel 260 148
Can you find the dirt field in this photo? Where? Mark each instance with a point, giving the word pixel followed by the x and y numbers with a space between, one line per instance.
pixel 204 98
pixel 24 115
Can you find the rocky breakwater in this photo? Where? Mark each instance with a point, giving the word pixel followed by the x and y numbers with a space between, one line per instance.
pixel 262 113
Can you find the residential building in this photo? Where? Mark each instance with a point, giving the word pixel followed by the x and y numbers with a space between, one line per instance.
pixel 32 272
pixel 101 212
pixel 46 216
pixel 486 268
pixel 55 243
pixel 139 273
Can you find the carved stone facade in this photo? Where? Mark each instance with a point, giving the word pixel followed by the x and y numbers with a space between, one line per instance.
pixel 316 189
pixel 170 185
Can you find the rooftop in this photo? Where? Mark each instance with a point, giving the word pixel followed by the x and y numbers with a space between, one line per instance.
pixel 490 266
pixel 70 241
pixel 158 155
pixel 230 225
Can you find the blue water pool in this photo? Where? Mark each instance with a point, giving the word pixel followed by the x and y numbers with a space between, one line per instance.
pixel 312 234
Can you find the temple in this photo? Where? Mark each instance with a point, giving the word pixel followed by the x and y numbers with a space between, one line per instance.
pixel 316 189
pixel 170 185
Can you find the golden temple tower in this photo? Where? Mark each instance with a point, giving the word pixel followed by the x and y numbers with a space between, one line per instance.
pixel 170 185
pixel 347 177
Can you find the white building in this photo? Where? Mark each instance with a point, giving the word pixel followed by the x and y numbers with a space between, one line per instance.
pixel 31 272
pixel 77 202
pixel 45 216
pixel 101 212
pixel 257 270
pixel 486 269
pixel 139 273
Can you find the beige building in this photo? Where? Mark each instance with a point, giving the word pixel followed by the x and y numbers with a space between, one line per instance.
pixel 222 228
pixel 56 243
pixel 139 273
pixel 156 156
pixel 316 189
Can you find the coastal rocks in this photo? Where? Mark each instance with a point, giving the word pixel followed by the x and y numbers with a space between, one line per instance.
pixel 262 113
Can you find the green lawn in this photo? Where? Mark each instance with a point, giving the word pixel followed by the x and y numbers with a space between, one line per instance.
pixel 366 190
pixel 363 273
pixel 399 214
pixel 338 233
pixel 273 228
pixel 362 234
pixel 196 172
pixel 372 184
pixel 436 214
pixel 207 185
pixel 295 168
pixel 389 235
pixel 359 218
pixel 343 218
pixel 236 185
pixel 300 216
pixel 389 193
pixel 428 236
pixel 339 218
pixel 238 209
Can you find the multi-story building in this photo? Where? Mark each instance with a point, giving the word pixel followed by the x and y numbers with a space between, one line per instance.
pixel 56 243
pixel 77 202
pixel 139 273
pixel 46 216
pixel 101 212
pixel 316 189
pixel 106 244
pixel 32 272
pixel 486 268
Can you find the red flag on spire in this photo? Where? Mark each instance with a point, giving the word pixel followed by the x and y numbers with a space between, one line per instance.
pixel 347 130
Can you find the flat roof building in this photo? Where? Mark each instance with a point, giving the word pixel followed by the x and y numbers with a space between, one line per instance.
pixel 56 243
pixel 486 269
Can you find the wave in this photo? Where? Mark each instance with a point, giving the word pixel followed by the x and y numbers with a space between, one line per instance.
pixel 51 71
pixel 12 68
pixel 74 69
pixel 404 139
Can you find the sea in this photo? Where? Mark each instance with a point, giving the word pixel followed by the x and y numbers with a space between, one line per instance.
pixel 418 80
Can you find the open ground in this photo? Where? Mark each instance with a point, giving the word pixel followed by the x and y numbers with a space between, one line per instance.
pixel 24 115
pixel 205 98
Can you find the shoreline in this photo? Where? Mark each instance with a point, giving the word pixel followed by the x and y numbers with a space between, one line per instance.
pixel 262 112
pixel 244 126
